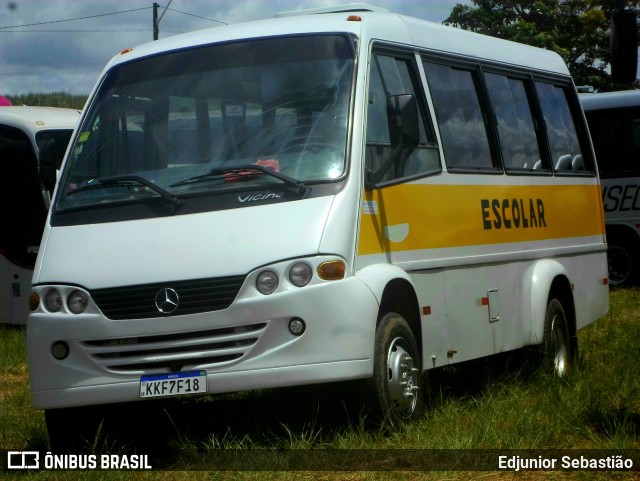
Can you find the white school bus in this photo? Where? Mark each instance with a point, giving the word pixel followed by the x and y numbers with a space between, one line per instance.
pixel 614 123
pixel 24 201
pixel 315 198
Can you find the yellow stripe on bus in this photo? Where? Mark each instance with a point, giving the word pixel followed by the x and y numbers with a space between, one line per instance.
pixel 423 216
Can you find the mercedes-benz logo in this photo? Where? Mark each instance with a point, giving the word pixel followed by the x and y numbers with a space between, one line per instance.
pixel 167 300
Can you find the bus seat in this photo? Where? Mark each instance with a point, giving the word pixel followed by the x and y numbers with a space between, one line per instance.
pixel 564 162
pixel 577 163
pixel 537 165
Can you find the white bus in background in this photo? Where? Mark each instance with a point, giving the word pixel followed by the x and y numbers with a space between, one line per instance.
pixel 23 200
pixel 614 124
pixel 314 198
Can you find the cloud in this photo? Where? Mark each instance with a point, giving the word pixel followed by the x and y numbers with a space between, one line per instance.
pixel 69 55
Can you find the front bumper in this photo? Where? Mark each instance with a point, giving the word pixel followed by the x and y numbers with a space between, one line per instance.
pixel 244 347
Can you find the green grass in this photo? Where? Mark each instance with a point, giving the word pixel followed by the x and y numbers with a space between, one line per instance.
pixel 484 405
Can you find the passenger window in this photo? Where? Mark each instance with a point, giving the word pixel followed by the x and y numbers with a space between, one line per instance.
pixel 391 75
pixel 616 140
pixel 562 135
pixel 463 132
pixel 519 144
pixel 61 140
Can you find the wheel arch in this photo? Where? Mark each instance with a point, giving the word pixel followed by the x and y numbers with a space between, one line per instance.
pixel 626 238
pixel 395 292
pixel 622 231
pixel 549 279
pixel 400 296
pixel 562 290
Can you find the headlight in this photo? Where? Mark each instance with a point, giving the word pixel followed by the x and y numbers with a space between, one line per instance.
pixel 77 302
pixel 267 282
pixel 53 300
pixel 300 274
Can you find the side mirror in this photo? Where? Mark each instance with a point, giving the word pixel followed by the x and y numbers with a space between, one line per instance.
pixel 47 164
pixel 404 128
pixel 624 46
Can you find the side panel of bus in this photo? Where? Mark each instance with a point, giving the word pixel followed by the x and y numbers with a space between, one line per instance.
pixel 23 208
pixel 616 139
pixel 494 214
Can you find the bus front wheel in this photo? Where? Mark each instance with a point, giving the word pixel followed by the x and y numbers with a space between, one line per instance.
pixel 397 375
pixel 74 430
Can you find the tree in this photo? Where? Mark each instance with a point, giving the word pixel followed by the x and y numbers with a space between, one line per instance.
pixel 578 30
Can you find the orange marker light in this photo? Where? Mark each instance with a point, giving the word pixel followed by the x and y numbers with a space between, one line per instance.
pixel 332 270
pixel 354 18
pixel 34 301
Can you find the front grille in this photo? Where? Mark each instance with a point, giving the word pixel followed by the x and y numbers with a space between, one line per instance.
pixel 174 352
pixel 139 301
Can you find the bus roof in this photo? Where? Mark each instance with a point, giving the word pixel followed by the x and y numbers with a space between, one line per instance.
pixel 34 119
pixel 610 100
pixel 376 24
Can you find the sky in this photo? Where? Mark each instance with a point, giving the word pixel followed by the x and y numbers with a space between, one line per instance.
pixel 43 49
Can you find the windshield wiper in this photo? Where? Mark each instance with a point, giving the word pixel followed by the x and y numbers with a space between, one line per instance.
pixel 127 179
pixel 239 171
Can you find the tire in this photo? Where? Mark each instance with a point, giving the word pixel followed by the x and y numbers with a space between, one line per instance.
pixel 397 374
pixel 621 264
pixel 557 348
pixel 74 430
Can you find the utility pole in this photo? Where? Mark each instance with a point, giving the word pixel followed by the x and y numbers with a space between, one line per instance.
pixel 155 21
pixel 624 44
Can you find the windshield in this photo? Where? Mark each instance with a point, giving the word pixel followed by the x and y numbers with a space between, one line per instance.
pixel 186 121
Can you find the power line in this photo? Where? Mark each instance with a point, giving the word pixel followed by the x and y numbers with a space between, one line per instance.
pixel 81 30
pixel 10 27
pixel 73 19
pixel 197 16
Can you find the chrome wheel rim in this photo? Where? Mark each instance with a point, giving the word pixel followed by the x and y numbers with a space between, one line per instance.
pixel 559 348
pixel 402 378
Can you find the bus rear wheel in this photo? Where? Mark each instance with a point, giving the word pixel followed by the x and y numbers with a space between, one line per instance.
pixel 557 355
pixel 621 264
pixel 397 375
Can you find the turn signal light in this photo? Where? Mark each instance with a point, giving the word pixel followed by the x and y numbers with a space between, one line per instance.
pixel 332 270
pixel 34 301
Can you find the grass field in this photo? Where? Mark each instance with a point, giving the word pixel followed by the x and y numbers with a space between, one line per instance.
pixel 493 405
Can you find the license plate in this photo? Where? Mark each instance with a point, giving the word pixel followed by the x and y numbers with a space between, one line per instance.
pixel 173 384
